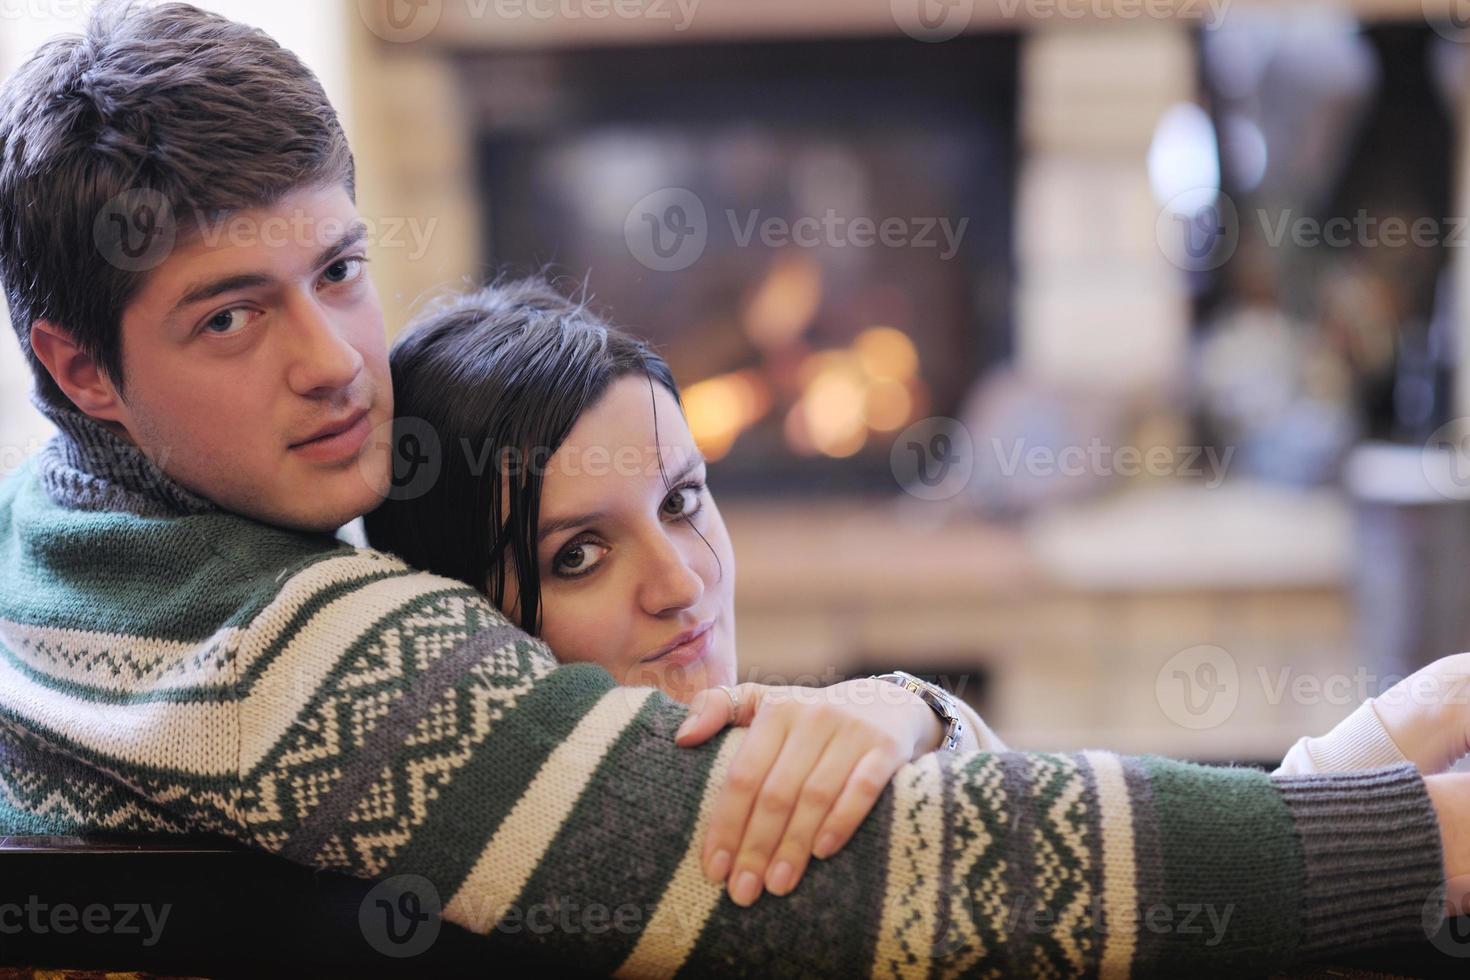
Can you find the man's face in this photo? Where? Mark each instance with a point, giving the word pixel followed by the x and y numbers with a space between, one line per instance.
pixel 256 366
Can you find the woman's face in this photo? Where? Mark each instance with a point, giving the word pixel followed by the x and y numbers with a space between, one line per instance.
pixel 630 565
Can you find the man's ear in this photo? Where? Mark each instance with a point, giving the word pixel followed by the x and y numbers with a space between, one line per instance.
pixel 78 376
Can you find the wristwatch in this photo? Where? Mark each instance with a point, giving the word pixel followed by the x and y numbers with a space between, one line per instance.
pixel 936 697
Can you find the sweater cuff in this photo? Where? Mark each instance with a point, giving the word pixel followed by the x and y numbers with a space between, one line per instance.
pixel 1359 742
pixel 1372 857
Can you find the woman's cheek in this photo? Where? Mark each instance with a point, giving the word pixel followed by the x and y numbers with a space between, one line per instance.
pixel 580 629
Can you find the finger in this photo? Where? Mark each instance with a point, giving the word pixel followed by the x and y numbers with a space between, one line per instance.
pixel 869 778
pixel 753 760
pixel 710 712
pixel 822 789
pixel 774 805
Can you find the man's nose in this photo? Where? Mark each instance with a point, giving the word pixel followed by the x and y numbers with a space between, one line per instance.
pixel 323 361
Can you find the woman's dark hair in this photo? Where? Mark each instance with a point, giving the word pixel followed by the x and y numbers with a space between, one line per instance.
pixel 497 378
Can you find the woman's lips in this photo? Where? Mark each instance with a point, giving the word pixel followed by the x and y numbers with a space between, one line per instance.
pixel 690 652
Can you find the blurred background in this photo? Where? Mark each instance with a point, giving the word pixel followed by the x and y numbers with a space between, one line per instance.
pixel 1099 358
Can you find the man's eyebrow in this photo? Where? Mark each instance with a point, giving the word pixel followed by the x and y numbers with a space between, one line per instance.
pixel 548 528
pixel 211 288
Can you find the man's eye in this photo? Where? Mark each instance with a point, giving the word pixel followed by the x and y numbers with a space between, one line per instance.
pixel 343 270
pixel 579 559
pixel 227 321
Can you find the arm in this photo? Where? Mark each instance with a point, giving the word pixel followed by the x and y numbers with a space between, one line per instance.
pixel 1423 719
pixel 550 808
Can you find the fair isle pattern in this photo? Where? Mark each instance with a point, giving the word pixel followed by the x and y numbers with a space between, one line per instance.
pixel 908 933
pixel 690 898
pixel 978 897
pixel 328 740
pixel 98 664
pixel 1066 943
pixel 1120 888
pixel 37 790
pixel 520 843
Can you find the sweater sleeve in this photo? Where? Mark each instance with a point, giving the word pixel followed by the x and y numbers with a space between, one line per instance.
pixel 549 809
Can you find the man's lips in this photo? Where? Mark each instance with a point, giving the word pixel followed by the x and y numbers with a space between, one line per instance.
pixel 337 442
pixel 333 428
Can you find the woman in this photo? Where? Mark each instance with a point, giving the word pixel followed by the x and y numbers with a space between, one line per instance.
pixel 610 547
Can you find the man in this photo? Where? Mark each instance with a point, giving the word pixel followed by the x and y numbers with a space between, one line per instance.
pixel 185 647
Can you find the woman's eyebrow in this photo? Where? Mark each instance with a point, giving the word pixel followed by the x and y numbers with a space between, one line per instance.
pixel 695 462
pixel 548 528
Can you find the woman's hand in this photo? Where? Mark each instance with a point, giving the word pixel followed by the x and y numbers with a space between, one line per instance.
pixel 1427 714
pixel 813 765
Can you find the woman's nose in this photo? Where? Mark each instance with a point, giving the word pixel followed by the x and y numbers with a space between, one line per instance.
pixel 671 582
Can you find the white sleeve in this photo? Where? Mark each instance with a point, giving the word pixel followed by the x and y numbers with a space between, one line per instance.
pixel 1359 742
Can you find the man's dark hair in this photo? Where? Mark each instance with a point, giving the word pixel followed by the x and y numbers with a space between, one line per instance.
pixel 152 108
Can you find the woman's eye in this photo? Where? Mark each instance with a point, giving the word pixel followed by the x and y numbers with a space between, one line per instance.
pixel 226 322
pixel 579 559
pixel 683 502
pixel 343 270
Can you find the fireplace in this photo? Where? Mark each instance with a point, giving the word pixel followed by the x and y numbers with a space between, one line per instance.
pixel 817 235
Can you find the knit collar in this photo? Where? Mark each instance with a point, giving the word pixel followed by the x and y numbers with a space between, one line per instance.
pixel 86 466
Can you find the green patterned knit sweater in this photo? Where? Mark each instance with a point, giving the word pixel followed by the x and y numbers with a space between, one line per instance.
pixel 166 667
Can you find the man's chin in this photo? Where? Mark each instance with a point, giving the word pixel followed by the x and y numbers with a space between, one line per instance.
pixel 311 513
